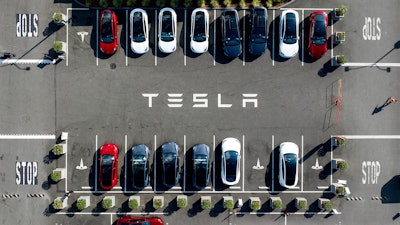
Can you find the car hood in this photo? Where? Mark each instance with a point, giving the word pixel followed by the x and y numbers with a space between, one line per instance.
pixel 108 48
pixel 288 50
pixel 200 149
pixel 317 51
pixel 257 49
pixel 232 51
pixel 140 47
pixel 167 47
pixel 139 150
pixel 231 144
pixel 199 47
pixel 289 147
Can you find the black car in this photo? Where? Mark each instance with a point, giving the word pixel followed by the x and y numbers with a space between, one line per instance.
pixel 258 34
pixel 231 39
pixel 140 166
pixel 170 164
pixel 201 165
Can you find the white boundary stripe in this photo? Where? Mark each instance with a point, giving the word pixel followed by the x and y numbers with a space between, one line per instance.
pixel 244 38
pixel 235 187
pixel 368 136
pixel 322 187
pixel 111 219
pixel 155 161
pixel 243 162
pixel 273 38
pixel 184 39
pixel 371 64
pixel 331 179
pixel 213 160
pixel 97 37
pixel 331 36
pixel 273 159
pixel 215 31
pixel 86 187
pixel 302 38
pixel 66 165
pixel 27 136
pixel 175 191
pixel 95 165
pixel 280 213
pixel 125 166
pixel 126 38
pixel 302 162
pixel 27 61
pixel 155 38
pixel 309 9
pixel 184 161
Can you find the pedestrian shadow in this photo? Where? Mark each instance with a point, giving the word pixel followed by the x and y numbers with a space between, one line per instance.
pixel 380 108
pixel 396 216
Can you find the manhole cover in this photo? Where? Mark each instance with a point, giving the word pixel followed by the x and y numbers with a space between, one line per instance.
pixel 113 66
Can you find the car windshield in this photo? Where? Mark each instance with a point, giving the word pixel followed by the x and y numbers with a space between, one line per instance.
pixel 138 29
pixel 106 28
pixel 199 27
pixel 231 165
pixel 290 168
pixel 167 33
pixel 319 37
pixel 135 222
pixel 107 162
pixel 258 34
pixel 289 36
pixel 232 33
pixel 201 166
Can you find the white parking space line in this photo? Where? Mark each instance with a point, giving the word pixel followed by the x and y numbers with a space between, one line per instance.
pixel 302 163
pixel 273 38
pixel 111 219
pixel 243 161
pixel 155 162
pixel 95 165
pixel 97 39
pixel 309 9
pixel 302 38
pixel 184 40
pixel 66 165
pixel 27 136
pixel 273 160
pixel 331 38
pixel 155 38
pixel 215 31
pixel 234 187
pixel 371 64
pixel 126 37
pixel 322 187
pixel 176 188
pixel 263 187
pixel 126 141
pixel 368 136
pixel 213 158
pixel 244 39
pixel 184 159
pixel 117 188
pixel 86 187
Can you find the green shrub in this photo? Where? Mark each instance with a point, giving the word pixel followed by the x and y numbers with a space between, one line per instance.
pixel 57 149
pixel 255 205
pixel 106 203
pixel 57 204
pixel 342 10
pixel 174 3
pixel 57 46
pixel 227 2
pixel 327 205
pixel 277 204
pixel 201 3
pixel 340 190
pixel 157 203
pixel 255 3
pixel 133 204
pixel 206 204
pixel 188 3
pixel 341 59
pixel 131 2
pixel 56 176
pixel 57 17
pixel 81 204
pixel 242 3
pixel 268 3
pixel 228 204
pixel 340 35
pixel 214 3
pixel 182 202
pixel 117 3
pixel 88 2
pixel 342 165
pixel 302 204
pixel 103 3
pixel 146 3
pixel 161 3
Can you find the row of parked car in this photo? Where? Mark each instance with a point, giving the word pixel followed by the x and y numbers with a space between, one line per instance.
pixel 200 164
pixel 231 38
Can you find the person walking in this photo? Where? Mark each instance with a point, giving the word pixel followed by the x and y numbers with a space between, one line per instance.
pixel 393 100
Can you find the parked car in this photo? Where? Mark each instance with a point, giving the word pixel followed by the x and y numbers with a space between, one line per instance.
pixel 318 38
pixel 167 30
pixel 108 32
pixel 288 33
pixel 258 34
pixel 231 39
pixel 108 175
pixel 139 31
pixel 288 164
pixel 230 161
pixel 140 166
pixel 199 30
pixel 170 164
pixel 201 165
pixel 139 220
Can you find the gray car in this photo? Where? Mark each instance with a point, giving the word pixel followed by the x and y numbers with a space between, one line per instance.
pixel 170 164
pixel 140 166
pixel 201 165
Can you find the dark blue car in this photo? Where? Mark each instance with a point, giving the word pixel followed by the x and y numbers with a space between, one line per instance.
pixel 258 34
pixel 170 164
pixel 231 39
pixel 201 165
pixel 140 166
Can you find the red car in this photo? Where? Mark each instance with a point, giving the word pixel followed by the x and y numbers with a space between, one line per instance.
pixel 108 32
pixel 136 220
pixel 108 166
pixel 318 38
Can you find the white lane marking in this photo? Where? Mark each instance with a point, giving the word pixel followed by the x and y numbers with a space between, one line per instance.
pixel 27 136
pixel 97 37
pixel 368 136
pixel 184 161
pixel 213 160
pixel 302 164
pixel 86 187
pixel 155 161
pixel 111 219
pixel 263 187
pixel 117 188
pixel 302 38
pixel 243 161
pixel 176 188
pixel 273 160
pixel 273 38
pixel 332 37
pixel 125 170
pixel 95 165
pixel 184 40
pixel 66 165
pixel 309 9
pixel 244 38
pixel 215 31
pixel 322 187
pixel 155 38
pixel 371 64
pixel 126 38
pixel 66 54
pixel 28 61
pixel 234 191
pixel 235 187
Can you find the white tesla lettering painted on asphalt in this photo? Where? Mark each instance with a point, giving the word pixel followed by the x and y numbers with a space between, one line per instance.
pixel 82 34
pixel 200 100
pixel 371 29
pixel 371 171
pixel 27 25
pixel 26 173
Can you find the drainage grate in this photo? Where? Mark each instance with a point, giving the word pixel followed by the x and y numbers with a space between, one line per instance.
pixel 113 66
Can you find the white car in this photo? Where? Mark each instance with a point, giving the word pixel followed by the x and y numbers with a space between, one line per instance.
pixel 288 164
pixel 289 33
pixel 139 35
pixel 167 30
pixel 230 161
pixel 199 30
